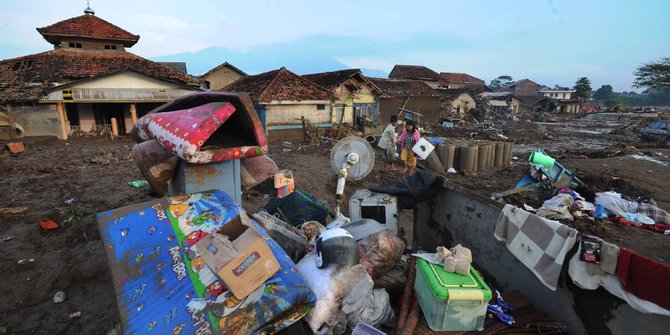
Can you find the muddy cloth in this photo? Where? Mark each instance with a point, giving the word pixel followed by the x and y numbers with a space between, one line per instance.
pixel 645 278
pixel 414 189
pixel 540 244
pixel 163 285
pixel 297 208
pixel 379 252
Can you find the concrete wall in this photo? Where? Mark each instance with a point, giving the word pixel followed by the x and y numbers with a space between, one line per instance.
pixel 220 78
pixel 428 106
pixel 289 113
pixel 127 80
pixel 455 215
pixel 39 120
pixel 344 96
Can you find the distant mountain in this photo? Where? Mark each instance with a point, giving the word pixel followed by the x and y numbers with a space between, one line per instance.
pixel 308 55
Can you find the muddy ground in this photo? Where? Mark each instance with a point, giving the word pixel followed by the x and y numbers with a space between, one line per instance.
pixel 96 173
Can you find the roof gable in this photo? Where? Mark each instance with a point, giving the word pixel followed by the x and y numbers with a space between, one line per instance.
pixel 279 85
pixel 87 26
pixel 418 72
pixel 221 66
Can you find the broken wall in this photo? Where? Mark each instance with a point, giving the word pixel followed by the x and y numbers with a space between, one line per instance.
pixel 38 120
pixel 428 106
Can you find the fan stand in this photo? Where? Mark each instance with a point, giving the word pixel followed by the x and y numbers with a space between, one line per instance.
pixel 351 160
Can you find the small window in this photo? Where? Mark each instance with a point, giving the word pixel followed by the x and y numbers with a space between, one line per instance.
pixel 107 47
pixel 113 47
pixel 71 45
pixel 320 107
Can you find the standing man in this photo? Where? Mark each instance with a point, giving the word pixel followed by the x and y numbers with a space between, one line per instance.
pixel 410 135
pixel 387 142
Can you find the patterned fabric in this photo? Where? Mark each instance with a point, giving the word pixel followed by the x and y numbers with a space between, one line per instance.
pixel 407 141
pixel 185 133
pixel 540 244
pixel 297 208
pixel 654 212
pixel 162 285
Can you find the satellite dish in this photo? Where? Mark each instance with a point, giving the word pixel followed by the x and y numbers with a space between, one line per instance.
pixel 352 158
pixel 358 146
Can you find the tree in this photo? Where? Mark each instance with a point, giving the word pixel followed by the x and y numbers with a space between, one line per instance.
pixel 501 81
pixel 583 88
pixel 605 92
pixel 654 74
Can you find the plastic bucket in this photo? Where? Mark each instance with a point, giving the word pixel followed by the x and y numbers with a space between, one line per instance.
pixel 540 158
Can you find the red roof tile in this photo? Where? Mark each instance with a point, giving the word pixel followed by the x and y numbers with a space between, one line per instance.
pixel 279 85
pixel 332 78
pixel 404 88
pixel 419 72
pixel 89 26
pixel 460 78
pixel 26 78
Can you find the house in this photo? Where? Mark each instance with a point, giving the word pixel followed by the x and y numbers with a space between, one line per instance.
pixel 457 101
pixel 496 100
pixel 416 72
pixel 412 95
pixel 179 66
pixel 564 100
pixel 222 76
pixel 522 88
pixel 281 98
pixel 356 98
pixel 86 81
pixel 453 80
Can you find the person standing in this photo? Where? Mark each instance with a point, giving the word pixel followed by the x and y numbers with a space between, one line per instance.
pixel 407 139
pixel 388 143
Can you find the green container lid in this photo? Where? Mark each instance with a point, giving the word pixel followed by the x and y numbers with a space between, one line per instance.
pixel 453 286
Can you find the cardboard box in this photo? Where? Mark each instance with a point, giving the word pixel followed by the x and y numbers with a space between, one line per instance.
pixel 238 254
pixel 283 178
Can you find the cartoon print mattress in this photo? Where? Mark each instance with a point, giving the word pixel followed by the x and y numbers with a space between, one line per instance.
pixel 163 286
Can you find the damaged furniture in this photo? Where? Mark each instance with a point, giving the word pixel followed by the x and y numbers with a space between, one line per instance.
pixel 209 132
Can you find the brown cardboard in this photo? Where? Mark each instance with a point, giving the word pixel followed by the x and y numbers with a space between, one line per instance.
pixel 283 178
pixel 238 254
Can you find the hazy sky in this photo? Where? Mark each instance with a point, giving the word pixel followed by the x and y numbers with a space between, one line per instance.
pixel 549 41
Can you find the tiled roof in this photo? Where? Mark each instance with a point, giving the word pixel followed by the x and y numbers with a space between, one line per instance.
pixel 89 26
pixel 179 66
pixel 419 72
pixel 279 85
pixel 404 88
pixel 460 78
pixel 330 79
pixel 26 78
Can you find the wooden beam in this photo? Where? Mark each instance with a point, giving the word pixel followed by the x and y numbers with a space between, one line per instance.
pixel 10 120
pixel 61 120
pixel 133 114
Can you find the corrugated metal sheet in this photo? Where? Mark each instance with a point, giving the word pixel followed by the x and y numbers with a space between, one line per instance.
pixel 120 95
pixel 96 94
pixel 498 103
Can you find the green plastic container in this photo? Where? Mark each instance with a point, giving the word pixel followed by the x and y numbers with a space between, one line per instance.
pixel 450 301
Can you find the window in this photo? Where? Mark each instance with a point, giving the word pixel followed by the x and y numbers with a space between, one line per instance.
pixel 110 47
pixel 74 45
pixel 320 107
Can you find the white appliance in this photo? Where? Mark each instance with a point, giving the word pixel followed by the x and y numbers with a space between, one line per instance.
pixel 423 148
pixel 382 207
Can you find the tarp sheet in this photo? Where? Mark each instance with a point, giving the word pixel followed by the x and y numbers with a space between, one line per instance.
pixel 163 286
